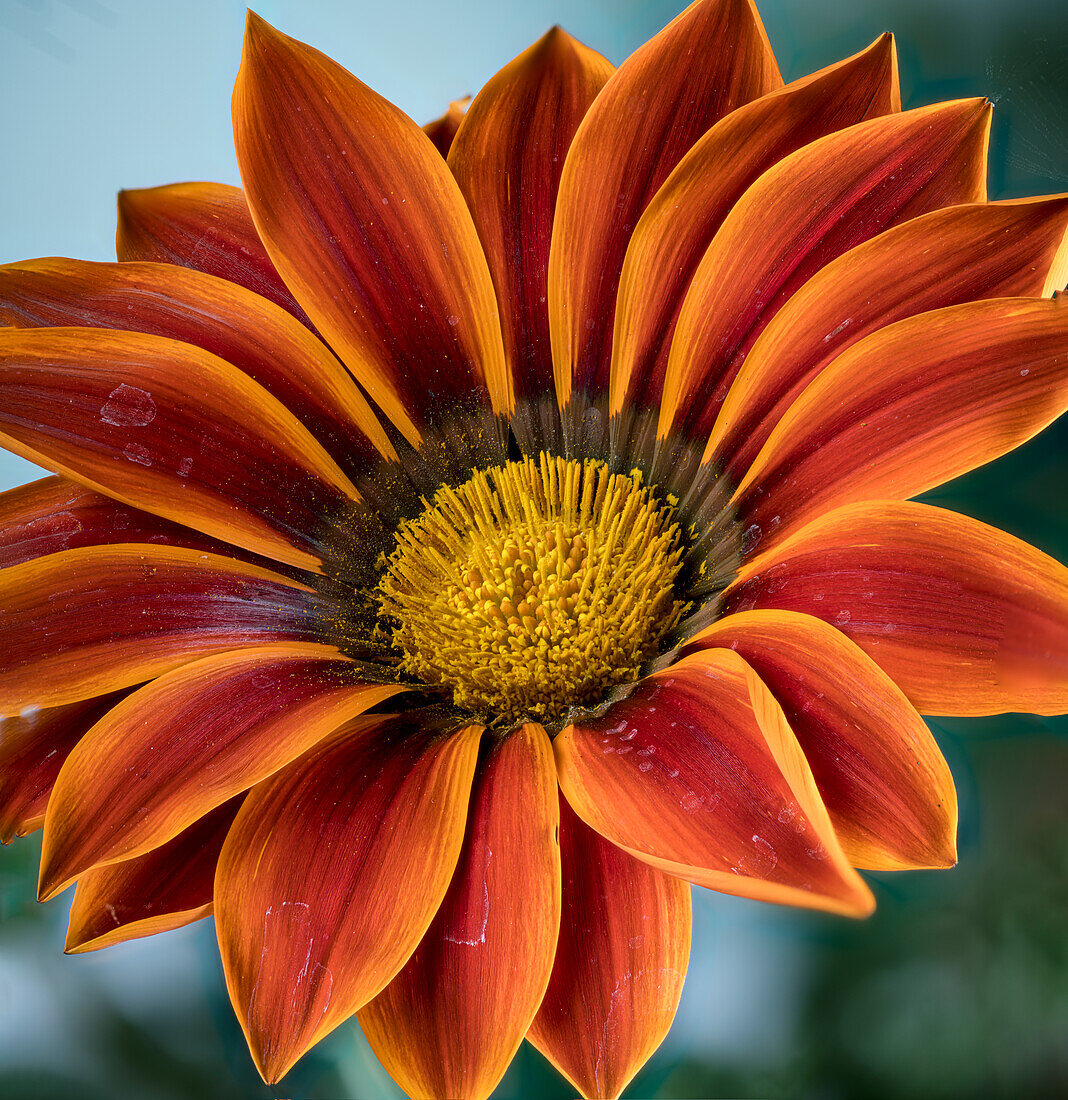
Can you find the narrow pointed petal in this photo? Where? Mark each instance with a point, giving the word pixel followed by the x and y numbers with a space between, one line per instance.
pixel 172 429
pixel 33 747
pixel 962 254
pixel 801 214
pixel 507 158
pixel 332 873
pixel 205 227
pixel 698 773
pixel 909 407
pixel 363 219
pixel 452 1019
pixel 620 963
pixel 652 110
pixel 169 887
pixel 88 621
pixel 679 223
pixel 880 774
pixel 966 619
pixel 442 131
pixel 187 742
pixel 250 332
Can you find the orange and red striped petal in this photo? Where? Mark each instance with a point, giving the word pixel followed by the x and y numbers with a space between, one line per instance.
pixel 168 887
pixel 808 209
pixel 885 784
pixel 205 227
pixel 332 873
pixel 620 963
pixel 87 621
pixel 174 430
pixel 33 747
pixel 961 254
pixel 507 159
pixel 187 742
pixel 366 224
pixel 966 619
pixel 221 317
pixel 679 223
pixel 442 131
pixel 708 61
pixel 452 1019
pixel 909 407
pixel 698 773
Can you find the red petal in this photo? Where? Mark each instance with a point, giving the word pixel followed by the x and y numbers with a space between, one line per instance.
pixel 84 622
pixel 909 407
pixel 221 317
pixel 169 887
pixel 679 223
pixel 507 158
pixel 450 1022
pixel 331 875
pixel 811 207
pixel 707 62
pixel 203 226
pixel 963 254
pixel 965 618
pixel 698 773
pixel 442 130
pixel 32 750
pixel 620 963
pixel 366 224
pixel 171 429
pixel 885 784
pixel 189 741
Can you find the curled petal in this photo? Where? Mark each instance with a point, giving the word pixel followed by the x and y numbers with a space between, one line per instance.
pixel 332 873
pixel 189 741
pixel 449 1023
pixel 698 773
pixel 441 131
pixel 965 618
pixel 649 114
pixel 366 224
pixel 620 963
pixel 168 887
pixel 881 776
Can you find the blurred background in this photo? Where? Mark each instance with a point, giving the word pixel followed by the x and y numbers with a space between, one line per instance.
pixel 958 986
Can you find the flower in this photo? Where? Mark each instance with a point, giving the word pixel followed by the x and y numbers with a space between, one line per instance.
pixel 398 495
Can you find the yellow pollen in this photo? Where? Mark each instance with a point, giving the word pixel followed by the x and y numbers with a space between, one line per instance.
pixel 533 587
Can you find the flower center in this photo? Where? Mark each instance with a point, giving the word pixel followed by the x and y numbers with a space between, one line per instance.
pixel 533 587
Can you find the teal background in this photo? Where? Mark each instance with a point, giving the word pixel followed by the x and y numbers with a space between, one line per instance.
pixel 958 986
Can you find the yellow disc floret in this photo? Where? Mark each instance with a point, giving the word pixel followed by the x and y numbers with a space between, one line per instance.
pixel 533 586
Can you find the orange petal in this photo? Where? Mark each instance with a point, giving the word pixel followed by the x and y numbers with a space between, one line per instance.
pixel 87 621
pixel 808 209
pixel 507 158
pixel 203 226
pixel 884 782
pixel 172 429
pixel 169 887
pixel 707 62
pixel 620 963
pixel 965 618
pixel 698 773
pixel 221 317
pixel 679 223
pixel 442 130
pixel 366 224
pixel 332 873
pixel 963 254
pixel 911 406
pixel 189 741
pixel 450 1022
pixel 33 747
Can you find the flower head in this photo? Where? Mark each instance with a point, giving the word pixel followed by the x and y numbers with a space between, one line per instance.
pixel 462 541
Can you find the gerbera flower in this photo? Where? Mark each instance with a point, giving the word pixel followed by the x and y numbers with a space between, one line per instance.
pixel 398 495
